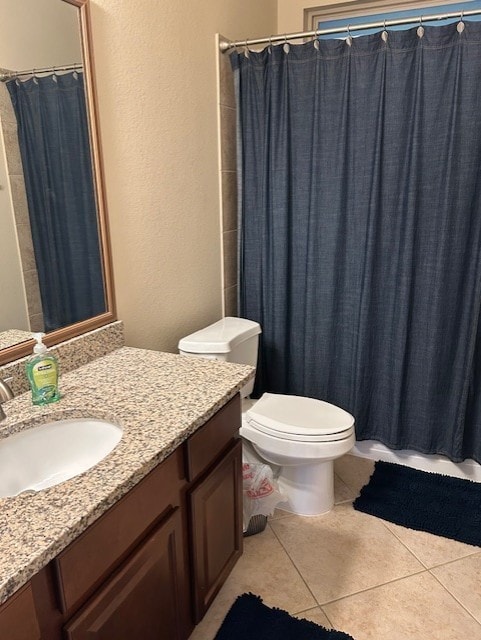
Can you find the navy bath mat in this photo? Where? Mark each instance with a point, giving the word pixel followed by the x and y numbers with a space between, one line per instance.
pixel 250 619
pixel 445 506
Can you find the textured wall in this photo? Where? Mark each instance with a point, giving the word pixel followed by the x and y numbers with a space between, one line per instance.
pixel 290 16
pixel 38 33
pixel 156 71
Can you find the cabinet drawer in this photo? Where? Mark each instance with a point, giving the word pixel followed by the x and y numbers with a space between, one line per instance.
pixel 88 560
pixel 18 618
pixel 203 447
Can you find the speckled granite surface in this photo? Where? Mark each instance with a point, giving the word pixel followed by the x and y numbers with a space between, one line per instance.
pixel 13 336
pixel 159 399
pixel 72 353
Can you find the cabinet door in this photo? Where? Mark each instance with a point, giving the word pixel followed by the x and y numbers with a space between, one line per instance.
pixel 18 620
pixel 142 600
pixel 216 524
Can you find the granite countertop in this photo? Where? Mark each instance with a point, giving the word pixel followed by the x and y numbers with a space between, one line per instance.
pixel 13 336
pixel 159 400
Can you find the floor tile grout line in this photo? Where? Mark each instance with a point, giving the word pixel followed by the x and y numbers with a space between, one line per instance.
pixel 355 482
pixel 383 522
pixel 350 490
pixel 428 567
pixel 295 567
pixel 325 613
pixel 421 570
pixel 346 501
pixel 376 586
pixel 318 606
pixel 321 605
pixel 454 597
pixel 444 564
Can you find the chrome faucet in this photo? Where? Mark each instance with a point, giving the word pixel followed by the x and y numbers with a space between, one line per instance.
pixel 5 394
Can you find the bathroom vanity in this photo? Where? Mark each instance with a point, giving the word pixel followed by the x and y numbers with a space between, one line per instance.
pixel 139 545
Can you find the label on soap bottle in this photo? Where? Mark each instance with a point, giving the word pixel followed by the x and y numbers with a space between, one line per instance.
pixel 44 375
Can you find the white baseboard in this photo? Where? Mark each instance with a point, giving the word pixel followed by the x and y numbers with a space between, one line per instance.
pixel 468 470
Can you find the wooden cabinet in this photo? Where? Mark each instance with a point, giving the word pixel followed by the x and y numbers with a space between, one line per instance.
pixel 143 599
pixel 151 565
pixel 18 618
pixel 214 502
pixel 215 506
pixel 94 555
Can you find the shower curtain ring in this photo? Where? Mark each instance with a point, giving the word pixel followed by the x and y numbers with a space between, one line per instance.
pixel 246 49
pixel 384 34
pixel 420 29
pixel 349 37
pixel 269 48
pixel 460 26
pixel 316 39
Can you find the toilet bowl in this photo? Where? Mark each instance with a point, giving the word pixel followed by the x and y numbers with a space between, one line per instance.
pixel 300 436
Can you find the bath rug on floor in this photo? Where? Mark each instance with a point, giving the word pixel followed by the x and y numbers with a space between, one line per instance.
pixel 445 506
pixel 250 619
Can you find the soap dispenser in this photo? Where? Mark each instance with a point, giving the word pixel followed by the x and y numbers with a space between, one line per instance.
pixel 42 373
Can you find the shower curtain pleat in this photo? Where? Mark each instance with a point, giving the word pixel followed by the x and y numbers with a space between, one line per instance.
pixel 360 229
pixel 53 135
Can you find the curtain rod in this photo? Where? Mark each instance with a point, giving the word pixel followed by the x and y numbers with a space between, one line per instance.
pixel 6 75
pixel 225 45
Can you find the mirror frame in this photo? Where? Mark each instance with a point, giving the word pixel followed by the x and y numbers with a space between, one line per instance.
pixel 23 349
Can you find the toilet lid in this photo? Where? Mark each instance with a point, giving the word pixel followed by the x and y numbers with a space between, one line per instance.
pixel 298 417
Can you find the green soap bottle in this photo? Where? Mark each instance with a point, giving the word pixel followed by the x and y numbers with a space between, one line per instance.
pixel 42 373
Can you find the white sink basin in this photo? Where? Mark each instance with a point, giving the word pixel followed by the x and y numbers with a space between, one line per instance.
pixel 51 453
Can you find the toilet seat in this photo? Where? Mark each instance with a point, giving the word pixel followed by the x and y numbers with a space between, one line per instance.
pixel 299 419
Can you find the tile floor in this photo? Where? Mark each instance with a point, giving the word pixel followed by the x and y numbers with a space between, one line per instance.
pixel 359 574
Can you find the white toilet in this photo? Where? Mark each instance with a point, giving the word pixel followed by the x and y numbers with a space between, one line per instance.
pixel 302 436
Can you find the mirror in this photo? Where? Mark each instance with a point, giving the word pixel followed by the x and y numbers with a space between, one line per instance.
pixel 55 264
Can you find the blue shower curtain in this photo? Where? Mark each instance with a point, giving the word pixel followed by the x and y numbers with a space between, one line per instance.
pixel 54 145
pixel 360 229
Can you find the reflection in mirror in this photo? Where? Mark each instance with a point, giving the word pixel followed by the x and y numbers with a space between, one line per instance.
pixel 51 270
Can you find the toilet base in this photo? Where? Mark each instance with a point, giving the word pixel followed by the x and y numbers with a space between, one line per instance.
pixel 309 488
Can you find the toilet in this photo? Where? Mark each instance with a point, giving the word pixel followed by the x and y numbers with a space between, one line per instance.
pixel 301 437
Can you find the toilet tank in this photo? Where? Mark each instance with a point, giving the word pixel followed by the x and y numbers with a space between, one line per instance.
pixel 229 339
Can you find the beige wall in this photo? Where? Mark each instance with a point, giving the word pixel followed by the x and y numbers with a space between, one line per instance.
pixel 38 33
pixel 290 15
pixel 156 71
